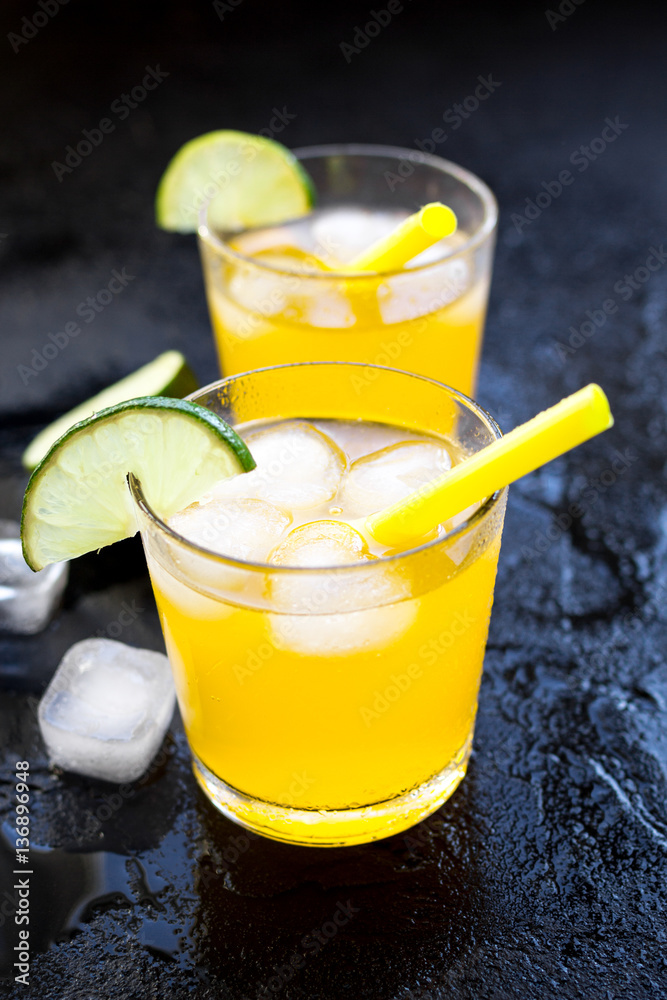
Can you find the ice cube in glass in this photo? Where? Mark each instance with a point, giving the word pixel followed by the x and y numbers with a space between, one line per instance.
pixel 384 477
pixel 297 467
pixel 357 627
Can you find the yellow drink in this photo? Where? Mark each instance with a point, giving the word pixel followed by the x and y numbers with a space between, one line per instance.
pixel 353 727
pixel 328 691
pixel 281 295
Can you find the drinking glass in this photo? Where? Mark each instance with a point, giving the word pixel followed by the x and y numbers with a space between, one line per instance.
pixel 335 705
pixel 427 319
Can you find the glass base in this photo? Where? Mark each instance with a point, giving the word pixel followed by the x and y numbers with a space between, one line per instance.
pixel 334 827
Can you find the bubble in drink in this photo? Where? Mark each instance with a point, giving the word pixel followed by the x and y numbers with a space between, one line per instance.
pixel 386 476
pixel 297 467
pixel 106 709
pixel 27 599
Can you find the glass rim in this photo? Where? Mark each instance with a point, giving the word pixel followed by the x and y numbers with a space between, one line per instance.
pixel 482 512
pixel 466 177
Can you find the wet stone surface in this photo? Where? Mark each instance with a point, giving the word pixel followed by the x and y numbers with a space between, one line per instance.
pixel 545 875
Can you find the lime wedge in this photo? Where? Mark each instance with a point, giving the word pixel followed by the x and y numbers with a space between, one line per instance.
pixel 77 499
pixel 167 375
pixel 249 181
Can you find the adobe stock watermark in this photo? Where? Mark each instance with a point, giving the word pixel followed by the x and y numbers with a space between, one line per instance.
pixel 365 33
pixel 587 498
pixel 311 944
pixel 127 616
pixel 632 621
pixel 392 350
pixel 624 288
pixel 458 113
pixel 88 309
pixel 247 151
pixel 31 26
pixel 581 158
pixel 113 801
pixel 121 107
pixel 133 436
pixel 223 7
pixel 429 653
pixel 238 844
pixel 566 8
pixel 286 624
pixel 286 283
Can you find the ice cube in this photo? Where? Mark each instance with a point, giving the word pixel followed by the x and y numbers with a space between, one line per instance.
pixel 386 476
pixel 407 296
pixel 328 546
pixel 355 626
pixel 357 438
pixel 27 599
pixel 173 589
pixel 321 544
pixel 297 467
pixel 106 709
pixel 343 634
pixel 351 230
pixel 257 241
pixel 259 290
pixel 243 529
pixel 277 287
pixel 329 309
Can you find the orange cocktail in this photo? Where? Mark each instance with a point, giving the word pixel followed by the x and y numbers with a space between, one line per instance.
pixel 328 687
pixel 282 294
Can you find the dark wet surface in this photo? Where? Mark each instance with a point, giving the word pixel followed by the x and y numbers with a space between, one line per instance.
pixel 545 875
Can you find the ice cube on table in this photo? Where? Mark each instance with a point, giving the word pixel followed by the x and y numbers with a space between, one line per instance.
pixel 242 529
pixel 322 544
pixel 27 599
pixel 106 709
pixel 297 467
pixel 386 476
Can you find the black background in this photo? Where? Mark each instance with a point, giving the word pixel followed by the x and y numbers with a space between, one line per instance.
pixel 544 876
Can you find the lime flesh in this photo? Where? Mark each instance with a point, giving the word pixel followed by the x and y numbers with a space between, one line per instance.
pixel 77 499
pixel 247 180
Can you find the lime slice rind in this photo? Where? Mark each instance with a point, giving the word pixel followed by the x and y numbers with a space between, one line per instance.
pixel 167 375
pixel 247 180
pixel 77 499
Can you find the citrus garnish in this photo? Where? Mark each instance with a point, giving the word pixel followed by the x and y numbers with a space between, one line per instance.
pixel 167 375
pixel 77 499
pixel 247 179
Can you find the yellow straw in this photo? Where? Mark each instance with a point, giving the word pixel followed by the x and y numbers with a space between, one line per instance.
pixel 550 434
pixel 416 233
